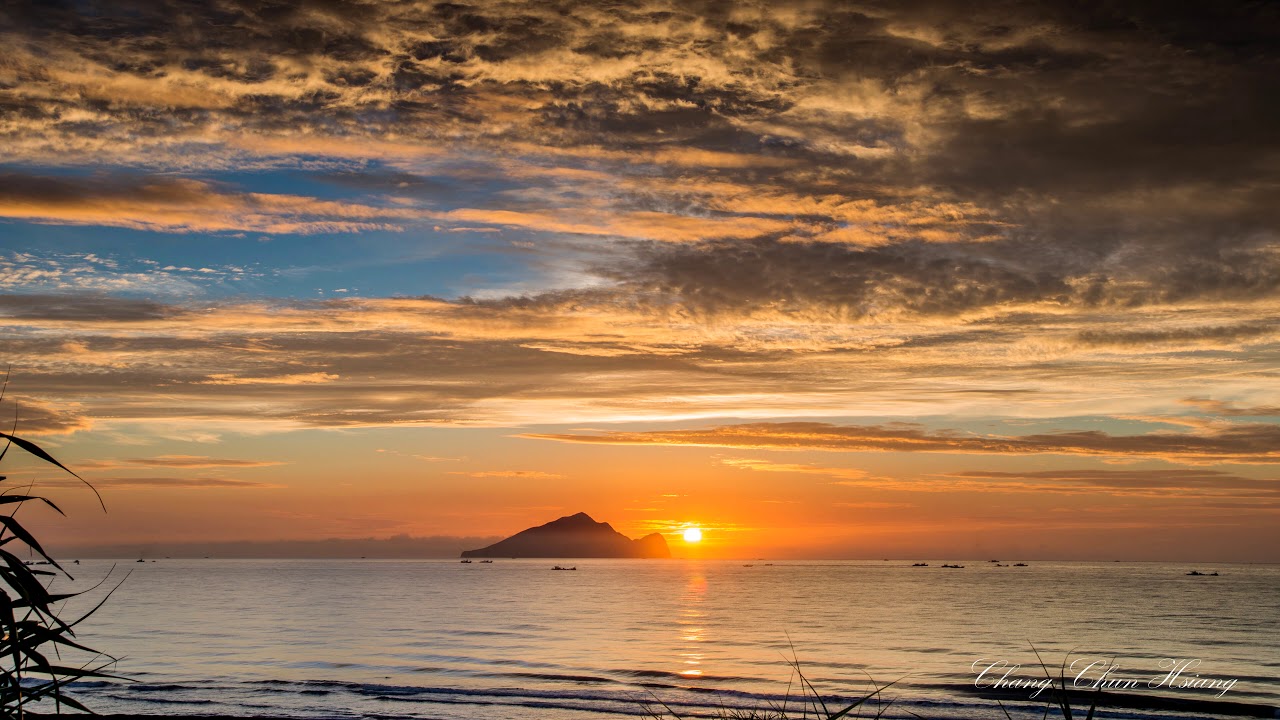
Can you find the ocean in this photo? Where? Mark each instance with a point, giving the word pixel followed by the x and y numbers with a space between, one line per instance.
pixel 622 638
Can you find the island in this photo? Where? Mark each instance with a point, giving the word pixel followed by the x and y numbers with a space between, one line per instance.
pixel 574 536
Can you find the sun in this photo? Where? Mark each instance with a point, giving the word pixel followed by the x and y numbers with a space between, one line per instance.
pixel 693 535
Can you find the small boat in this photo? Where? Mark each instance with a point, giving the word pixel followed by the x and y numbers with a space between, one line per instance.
pixel 993 561
pixel 465 562
pixel 482 562
pixel 1019 564
pixel 919 564
pixel 1197 573
pixel 1001 565
pixel 748 565
pixel 575 567
pixel 953 566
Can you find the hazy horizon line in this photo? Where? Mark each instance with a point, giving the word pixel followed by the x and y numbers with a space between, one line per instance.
pixel 438 547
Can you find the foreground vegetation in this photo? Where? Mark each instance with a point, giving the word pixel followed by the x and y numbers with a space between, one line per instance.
pixel 34 634
pixel 811 705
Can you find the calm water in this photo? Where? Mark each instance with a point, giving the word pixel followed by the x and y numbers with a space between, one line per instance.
pixel 441 639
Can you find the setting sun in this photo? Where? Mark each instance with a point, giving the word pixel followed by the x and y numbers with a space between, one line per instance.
pixel 693 535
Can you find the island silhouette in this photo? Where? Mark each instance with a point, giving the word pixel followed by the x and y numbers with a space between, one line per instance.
pixel 574 536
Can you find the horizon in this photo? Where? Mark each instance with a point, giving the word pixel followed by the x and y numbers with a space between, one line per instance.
pixel 815 279
pixel 407 547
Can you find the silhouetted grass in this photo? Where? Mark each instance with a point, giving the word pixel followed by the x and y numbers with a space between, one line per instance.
pixel 810 704
pixel 31 666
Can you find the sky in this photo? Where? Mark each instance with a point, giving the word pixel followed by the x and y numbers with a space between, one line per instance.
pixel 824 279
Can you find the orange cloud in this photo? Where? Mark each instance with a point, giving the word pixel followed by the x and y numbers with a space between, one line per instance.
pixel 1253 443
pixel 174 461
pixel 665 227
pixel 522 474
pixel 183 206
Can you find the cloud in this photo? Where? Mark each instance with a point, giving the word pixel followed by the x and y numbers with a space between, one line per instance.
pixel 1166 483
pixel 84 308
pixel 1247 443
pixel 784 210
pixel 183 483
pixel 665 227
pixel 1212 336
pixel 25 415
pixel 522 474
pixel 1047 117
pixel 1169 484
pixel 173 461
pixel 314 378
pixel 47 274
pixel 183 206
pixel 1227 409
pixel 844 474
pixel 599 354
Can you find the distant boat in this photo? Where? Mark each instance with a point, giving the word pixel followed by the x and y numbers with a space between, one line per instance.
pixel 748 565
pixel 482 562
pixel 919 564
pixel 953 566
pixel 1001 565
pixel 465 562
pixel 1019 564
pixel 994 561
pixel 140 559
pixel 575 567
pixel 1200 574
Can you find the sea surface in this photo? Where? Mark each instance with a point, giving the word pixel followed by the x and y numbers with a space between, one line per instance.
pixel 627 638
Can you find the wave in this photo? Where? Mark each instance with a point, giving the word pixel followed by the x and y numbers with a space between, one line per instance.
pixel 288 699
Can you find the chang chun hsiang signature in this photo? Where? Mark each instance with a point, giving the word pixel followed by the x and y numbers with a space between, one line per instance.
pixel 1085 674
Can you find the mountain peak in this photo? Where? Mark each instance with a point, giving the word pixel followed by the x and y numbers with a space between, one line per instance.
pixel 574 536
